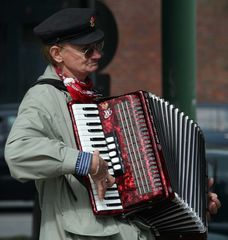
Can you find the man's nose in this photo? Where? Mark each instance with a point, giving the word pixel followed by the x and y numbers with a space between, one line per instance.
pixel 97 53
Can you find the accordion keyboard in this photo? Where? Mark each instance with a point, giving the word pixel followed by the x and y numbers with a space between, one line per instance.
pixel 91 138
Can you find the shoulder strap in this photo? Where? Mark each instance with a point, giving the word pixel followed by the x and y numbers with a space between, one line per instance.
pixel 59 85
pixel 55 83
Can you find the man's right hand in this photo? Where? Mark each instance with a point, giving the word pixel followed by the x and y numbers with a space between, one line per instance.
pixel 100 175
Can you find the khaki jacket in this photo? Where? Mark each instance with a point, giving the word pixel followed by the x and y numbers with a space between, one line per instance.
pixel 41 147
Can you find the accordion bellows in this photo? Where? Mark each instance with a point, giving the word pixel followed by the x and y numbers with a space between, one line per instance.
pixel 157 155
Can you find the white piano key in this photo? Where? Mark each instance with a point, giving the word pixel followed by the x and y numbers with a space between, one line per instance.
pixel 84 127
pixel 111 146
pixel 81 106
pixel 92 149
pixel 104 207
pixel 108 194
pixel 114 193
pixel 92 139
pixel 84 107
pixel 82 122
pixel 105 156
pixel 82 112
pixel 98 146
pixel 114 186
pixel 108 201
pixel 91 143
pixel 92 134
pixel 83 117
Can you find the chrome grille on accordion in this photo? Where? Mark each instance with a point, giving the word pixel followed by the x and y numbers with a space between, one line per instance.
pixel 159 165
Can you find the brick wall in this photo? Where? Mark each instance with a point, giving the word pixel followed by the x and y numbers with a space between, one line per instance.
pixel 212 84
pixel 137 63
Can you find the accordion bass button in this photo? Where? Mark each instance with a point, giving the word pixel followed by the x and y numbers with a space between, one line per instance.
pixel 111 146
pixel 111 172
pixel 117 167
pixel 110 139
pixel 112 154
pixel 115 160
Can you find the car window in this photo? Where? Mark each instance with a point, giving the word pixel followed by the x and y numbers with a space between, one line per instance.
pixel 5 126
pixel 6 122
pixel 213 118
pixel 9 122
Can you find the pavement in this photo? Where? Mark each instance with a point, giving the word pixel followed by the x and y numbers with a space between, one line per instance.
pixel 15 224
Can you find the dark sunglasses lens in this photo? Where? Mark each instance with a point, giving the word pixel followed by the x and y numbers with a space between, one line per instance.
pixel 89 52
pixel 100 46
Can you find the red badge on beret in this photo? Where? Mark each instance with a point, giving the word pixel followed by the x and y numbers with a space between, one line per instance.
pixel 92 21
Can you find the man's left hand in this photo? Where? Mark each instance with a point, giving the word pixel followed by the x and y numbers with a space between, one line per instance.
pixel 213 202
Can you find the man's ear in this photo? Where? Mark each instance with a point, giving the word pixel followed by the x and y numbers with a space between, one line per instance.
pixel 55 52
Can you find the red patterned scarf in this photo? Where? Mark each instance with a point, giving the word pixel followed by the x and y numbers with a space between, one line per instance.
pixel 80 91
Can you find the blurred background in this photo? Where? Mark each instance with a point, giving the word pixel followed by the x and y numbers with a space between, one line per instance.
pixel 176 50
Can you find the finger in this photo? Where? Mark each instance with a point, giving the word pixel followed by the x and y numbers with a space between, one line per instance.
pixel 212 208
pixel 104 165
pixel 210 182
pixel 96 153
pixel 101 190
pixel 213 197
pixel 110 180
pixel 217 202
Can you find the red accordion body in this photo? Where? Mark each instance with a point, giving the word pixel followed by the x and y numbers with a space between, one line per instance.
pixel 156 154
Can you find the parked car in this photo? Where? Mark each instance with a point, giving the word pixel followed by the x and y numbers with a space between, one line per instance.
pixel 14 195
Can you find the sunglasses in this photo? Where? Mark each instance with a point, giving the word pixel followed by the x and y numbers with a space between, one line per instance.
pixel 88 50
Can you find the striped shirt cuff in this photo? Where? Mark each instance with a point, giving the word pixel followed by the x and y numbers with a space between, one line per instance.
pixel 83 163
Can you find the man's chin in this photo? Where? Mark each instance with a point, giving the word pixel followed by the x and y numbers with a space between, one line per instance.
pixel 94 67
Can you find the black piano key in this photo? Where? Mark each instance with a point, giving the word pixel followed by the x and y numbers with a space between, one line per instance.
pixel 89 108
pixel 103 152
pixel 113 204
pixel 93 124
pixel 111 198
pixel 95 130
pixel 97 139
pixel 91 115
pixel 111 189
pixel 99 145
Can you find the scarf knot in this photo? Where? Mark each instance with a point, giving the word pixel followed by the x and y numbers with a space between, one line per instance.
pixel 81 92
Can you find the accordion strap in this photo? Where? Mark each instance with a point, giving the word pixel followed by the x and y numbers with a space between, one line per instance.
pixel 55 83
pixel 60 86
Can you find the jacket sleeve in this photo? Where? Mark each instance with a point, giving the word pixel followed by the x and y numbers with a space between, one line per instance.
pixel 35 148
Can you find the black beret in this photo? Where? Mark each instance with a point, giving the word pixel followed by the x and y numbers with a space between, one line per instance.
pixel 73 25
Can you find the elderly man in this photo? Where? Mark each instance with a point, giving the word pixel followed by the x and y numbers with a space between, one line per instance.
pixel 41 145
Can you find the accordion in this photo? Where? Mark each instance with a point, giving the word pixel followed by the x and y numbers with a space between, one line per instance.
pixel 157 155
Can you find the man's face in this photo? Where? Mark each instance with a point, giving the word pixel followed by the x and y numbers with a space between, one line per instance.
pixel 80 61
